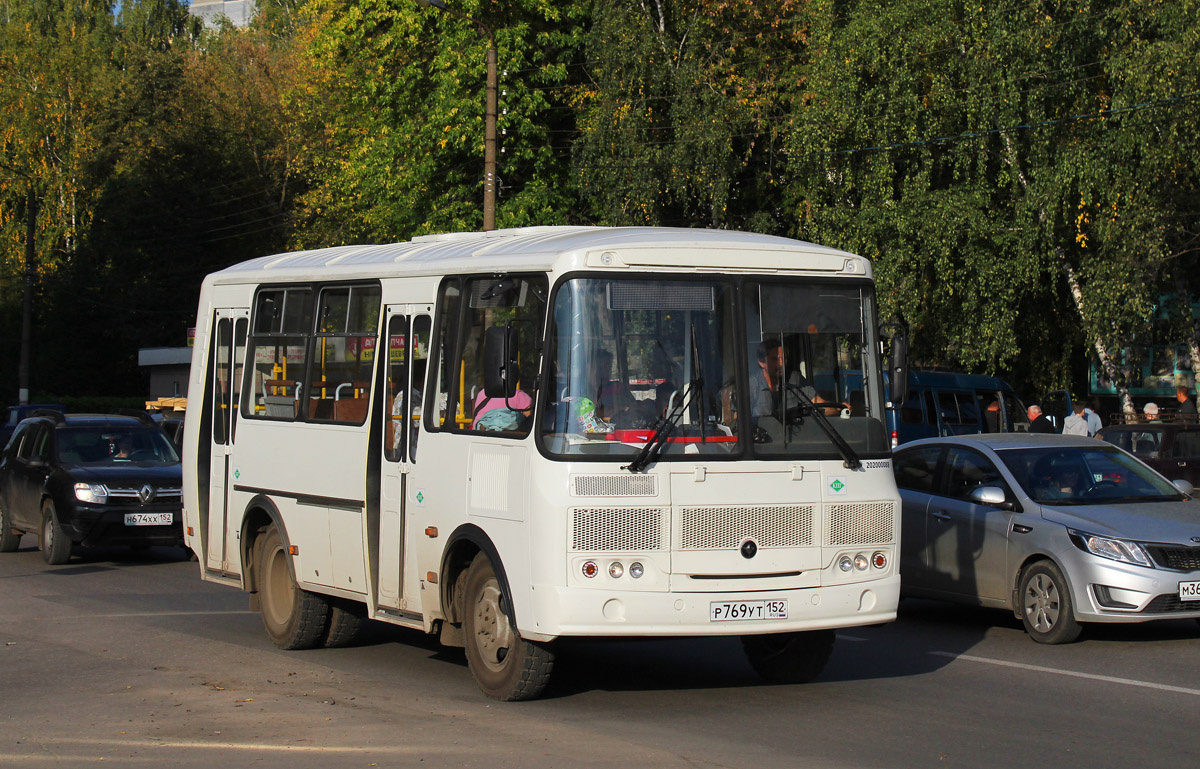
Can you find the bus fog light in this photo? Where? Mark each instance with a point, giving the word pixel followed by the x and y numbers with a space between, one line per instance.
pixel 845 564
pixel 615 569
pixel 590 569
pixel 879 560
pixel 636 570
pixel 860 562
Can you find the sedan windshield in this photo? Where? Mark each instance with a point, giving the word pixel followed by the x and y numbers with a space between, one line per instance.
pixel 1079 475
pixel 114 446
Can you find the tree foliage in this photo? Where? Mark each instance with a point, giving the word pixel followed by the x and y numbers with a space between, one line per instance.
pixel 1023 173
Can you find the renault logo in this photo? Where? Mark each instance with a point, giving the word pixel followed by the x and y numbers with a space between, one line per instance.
pixel 749 548
pixel 1196 539
pixel 146 494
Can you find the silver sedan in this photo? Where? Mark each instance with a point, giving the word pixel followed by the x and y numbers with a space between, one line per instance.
pixel 1058 529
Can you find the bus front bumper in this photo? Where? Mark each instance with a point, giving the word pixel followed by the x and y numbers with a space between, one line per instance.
pixel 564 611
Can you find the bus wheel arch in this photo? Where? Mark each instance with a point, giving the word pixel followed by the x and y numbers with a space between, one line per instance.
pixel 464 544
pixel 261 513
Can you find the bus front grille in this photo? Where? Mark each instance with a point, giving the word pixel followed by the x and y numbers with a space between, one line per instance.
pixel 728 526
pixel 859 523
pixel 619 529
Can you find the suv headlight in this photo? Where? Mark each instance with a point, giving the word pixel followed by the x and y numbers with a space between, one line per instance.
pixel 95 493
pixel 1123 550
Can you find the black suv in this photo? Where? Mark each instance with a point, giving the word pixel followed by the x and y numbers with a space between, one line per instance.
pixel 1172 448
pixel 91 479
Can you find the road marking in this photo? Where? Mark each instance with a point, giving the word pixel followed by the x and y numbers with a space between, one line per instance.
pixel 128 615
pixel 1071 673
pixel 44 745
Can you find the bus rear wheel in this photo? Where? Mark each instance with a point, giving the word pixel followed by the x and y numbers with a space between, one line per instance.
pixel 505 666
pixel 789 658
pixel 294 618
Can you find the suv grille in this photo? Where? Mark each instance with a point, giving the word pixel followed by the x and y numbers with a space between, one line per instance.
pixel 1180 558
pixel 163 495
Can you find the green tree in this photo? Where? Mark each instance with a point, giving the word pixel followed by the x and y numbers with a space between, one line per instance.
pixel 393 114
pixel 680 118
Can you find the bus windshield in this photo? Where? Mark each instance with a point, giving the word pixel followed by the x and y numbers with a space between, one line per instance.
pixel 638 360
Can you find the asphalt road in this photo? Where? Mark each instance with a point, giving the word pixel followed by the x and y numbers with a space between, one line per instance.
pixel 131 660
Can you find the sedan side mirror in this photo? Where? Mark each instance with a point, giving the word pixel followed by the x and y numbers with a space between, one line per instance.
pixel 1185 487
pixel 992 496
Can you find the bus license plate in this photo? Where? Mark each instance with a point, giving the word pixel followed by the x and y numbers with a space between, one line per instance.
pixel 1189 591
pixel 149 519
pixel 733 611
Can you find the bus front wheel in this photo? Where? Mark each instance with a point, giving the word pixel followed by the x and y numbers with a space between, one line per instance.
pixel 789 658
pixel 294 618
pixel 505 666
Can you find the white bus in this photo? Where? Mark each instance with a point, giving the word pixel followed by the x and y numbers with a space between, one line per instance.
pixel 513 437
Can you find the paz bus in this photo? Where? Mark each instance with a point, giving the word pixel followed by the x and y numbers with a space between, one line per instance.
pixel 519 436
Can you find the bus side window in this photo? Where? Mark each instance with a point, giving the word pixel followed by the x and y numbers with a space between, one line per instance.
pixel 448 311
pixel 499 339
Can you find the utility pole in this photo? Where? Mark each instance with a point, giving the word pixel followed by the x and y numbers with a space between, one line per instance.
pixel 489 115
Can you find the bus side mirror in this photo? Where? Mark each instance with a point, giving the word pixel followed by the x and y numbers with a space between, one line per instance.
pixel 898 368
pixel 500 362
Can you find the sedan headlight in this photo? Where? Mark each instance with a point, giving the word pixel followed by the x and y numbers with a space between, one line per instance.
pixel 1122 550
pixel 94 493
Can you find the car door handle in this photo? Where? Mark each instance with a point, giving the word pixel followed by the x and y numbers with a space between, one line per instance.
pixel 941 515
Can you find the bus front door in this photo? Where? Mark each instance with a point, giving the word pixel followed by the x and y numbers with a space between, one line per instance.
pixel 407 337
pixel 229 356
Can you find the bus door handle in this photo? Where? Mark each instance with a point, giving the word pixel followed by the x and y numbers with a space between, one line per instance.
pixel 941 515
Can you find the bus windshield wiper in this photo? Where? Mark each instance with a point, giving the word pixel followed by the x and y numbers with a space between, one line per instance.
pixel 662 431
pixel 849 457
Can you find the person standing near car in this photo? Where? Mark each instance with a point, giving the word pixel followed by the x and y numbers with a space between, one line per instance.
pixel 1076 424
pixel 1038 423
pixel 1187 409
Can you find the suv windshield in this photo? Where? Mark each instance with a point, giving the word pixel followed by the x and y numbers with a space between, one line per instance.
pixel 1085 476
pixel 113 446
pixel 628 354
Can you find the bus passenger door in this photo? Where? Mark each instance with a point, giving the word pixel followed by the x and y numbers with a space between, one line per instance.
pixel 407 345
pixel 229 356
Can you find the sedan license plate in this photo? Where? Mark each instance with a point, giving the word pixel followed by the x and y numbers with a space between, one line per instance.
pixel 1189 591
pixel 734 611
pixel 149 519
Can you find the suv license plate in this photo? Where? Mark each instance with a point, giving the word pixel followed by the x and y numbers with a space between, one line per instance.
pixel 734 611
pixel 1189 591
pixel 149 519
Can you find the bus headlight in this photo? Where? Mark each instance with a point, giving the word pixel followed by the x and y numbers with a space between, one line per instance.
pixel 636 570
pixel 845 564
pixel 860 562
pixel 615 569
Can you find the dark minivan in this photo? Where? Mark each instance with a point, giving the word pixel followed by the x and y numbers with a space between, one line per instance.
pixel 89 479
pixel 942 403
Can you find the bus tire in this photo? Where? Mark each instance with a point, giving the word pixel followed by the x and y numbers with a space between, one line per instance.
pixel 789 658
pixel 10 538
pixel 56 544
pixel 294 618
pixel 346 620
pixel 506 667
